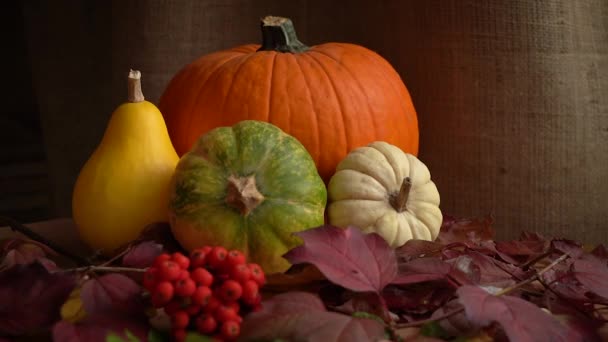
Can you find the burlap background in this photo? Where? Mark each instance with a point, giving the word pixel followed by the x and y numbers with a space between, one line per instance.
pixel 512 96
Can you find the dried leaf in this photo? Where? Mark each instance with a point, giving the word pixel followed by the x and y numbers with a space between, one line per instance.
pixel 421 270
pixel 347 257
pixel 593 274
pixel 142 255
pixel 521 320
pixel 418 249
pixel 30 297
pixel 111 292
pixel 300 316
pixel 465 230
pixel 22 251
pixel 572 248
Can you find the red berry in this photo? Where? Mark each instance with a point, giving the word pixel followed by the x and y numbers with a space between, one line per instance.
pixel 193 309
pixel 230 290
pixel 234 305
pixel 197 258
pixel 206 324
pixel 201 295
pixel 230 330
pixel 169 270
pixel 160 259
pixel 225 313
pixel 150 278
pixel 212 304
pixel 251 289
pixel 185 287
pixel 240 273
pixel 182 260
pixel 180 319
pixel 183 275
pixel 173 306
pixel 216 257
pixel 235 257
pixel 201 276
pixel 163 293
pixel 257 274
pixel 179 335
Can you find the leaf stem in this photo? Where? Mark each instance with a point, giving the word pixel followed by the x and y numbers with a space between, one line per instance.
pixel 18 227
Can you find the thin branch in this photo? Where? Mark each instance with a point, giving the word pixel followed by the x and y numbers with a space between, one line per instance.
pixel 536 276
pixel 93 268
pixel 18 227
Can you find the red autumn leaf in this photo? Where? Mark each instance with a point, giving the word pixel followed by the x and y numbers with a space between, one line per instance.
pixel 111 292
pixel 572 248
pixel 421 270
pixel 301 316
pixel 592 272
pixel 347 257
pixel 142 255
pixel 521 320
pixel 528 246
pixel 601 252
pixel 30 297
pixel 465 230
pixel 21 251
pixel 96 328
pixel 417 249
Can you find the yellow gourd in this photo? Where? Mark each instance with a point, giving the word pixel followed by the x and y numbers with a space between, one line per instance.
pixel 124 184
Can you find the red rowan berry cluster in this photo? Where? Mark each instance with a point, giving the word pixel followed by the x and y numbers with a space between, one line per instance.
pixel 209 291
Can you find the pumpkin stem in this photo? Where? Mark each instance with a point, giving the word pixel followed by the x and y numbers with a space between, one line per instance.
pixel 134 87
pixel 278 34
pixel 399 201
pixel 243 194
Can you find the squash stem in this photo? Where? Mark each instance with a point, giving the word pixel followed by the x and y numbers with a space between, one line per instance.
pixel 243 195
pixel 278 34
pixel 134 87
pixel 400 202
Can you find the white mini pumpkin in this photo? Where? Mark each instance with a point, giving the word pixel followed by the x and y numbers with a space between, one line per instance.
pixel 379 188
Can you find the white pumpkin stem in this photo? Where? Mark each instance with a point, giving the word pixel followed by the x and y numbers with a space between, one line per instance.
pixel 134 87
pixel 243 194
pixel 400 202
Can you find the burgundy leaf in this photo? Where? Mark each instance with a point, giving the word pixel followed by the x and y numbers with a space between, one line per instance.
pixel 417 249
pixel 21 251
pixel 572 248
pixel 577 317
pixel 528 246
pixel 347 257
pixel 593 274
pixel 601 252
pixel 465 230
pixel 369 302
pixel 96 328
pixel 142 255
pixel 561 280
pixel 421 270
pixel 521 320
pixel 300 316
pixel 30 298
pixel 418 299
pixel 111 292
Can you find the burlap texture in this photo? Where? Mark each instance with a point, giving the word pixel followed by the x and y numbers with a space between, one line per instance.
pixel 512 96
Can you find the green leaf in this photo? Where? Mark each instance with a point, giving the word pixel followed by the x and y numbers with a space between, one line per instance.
pixel 194 337
pixel 111 337
pixel 157 336
pixel 433 329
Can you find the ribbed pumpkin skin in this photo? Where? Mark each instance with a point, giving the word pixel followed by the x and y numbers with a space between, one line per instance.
pixel 333 98
pixel 294 193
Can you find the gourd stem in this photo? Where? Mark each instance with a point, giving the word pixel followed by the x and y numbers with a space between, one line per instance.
pixel 242 194
pixel 404 192
pixel 134 87
pixel 278 34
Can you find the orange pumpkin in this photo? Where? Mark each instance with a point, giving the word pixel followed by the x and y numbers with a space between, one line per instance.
pixel 332 97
